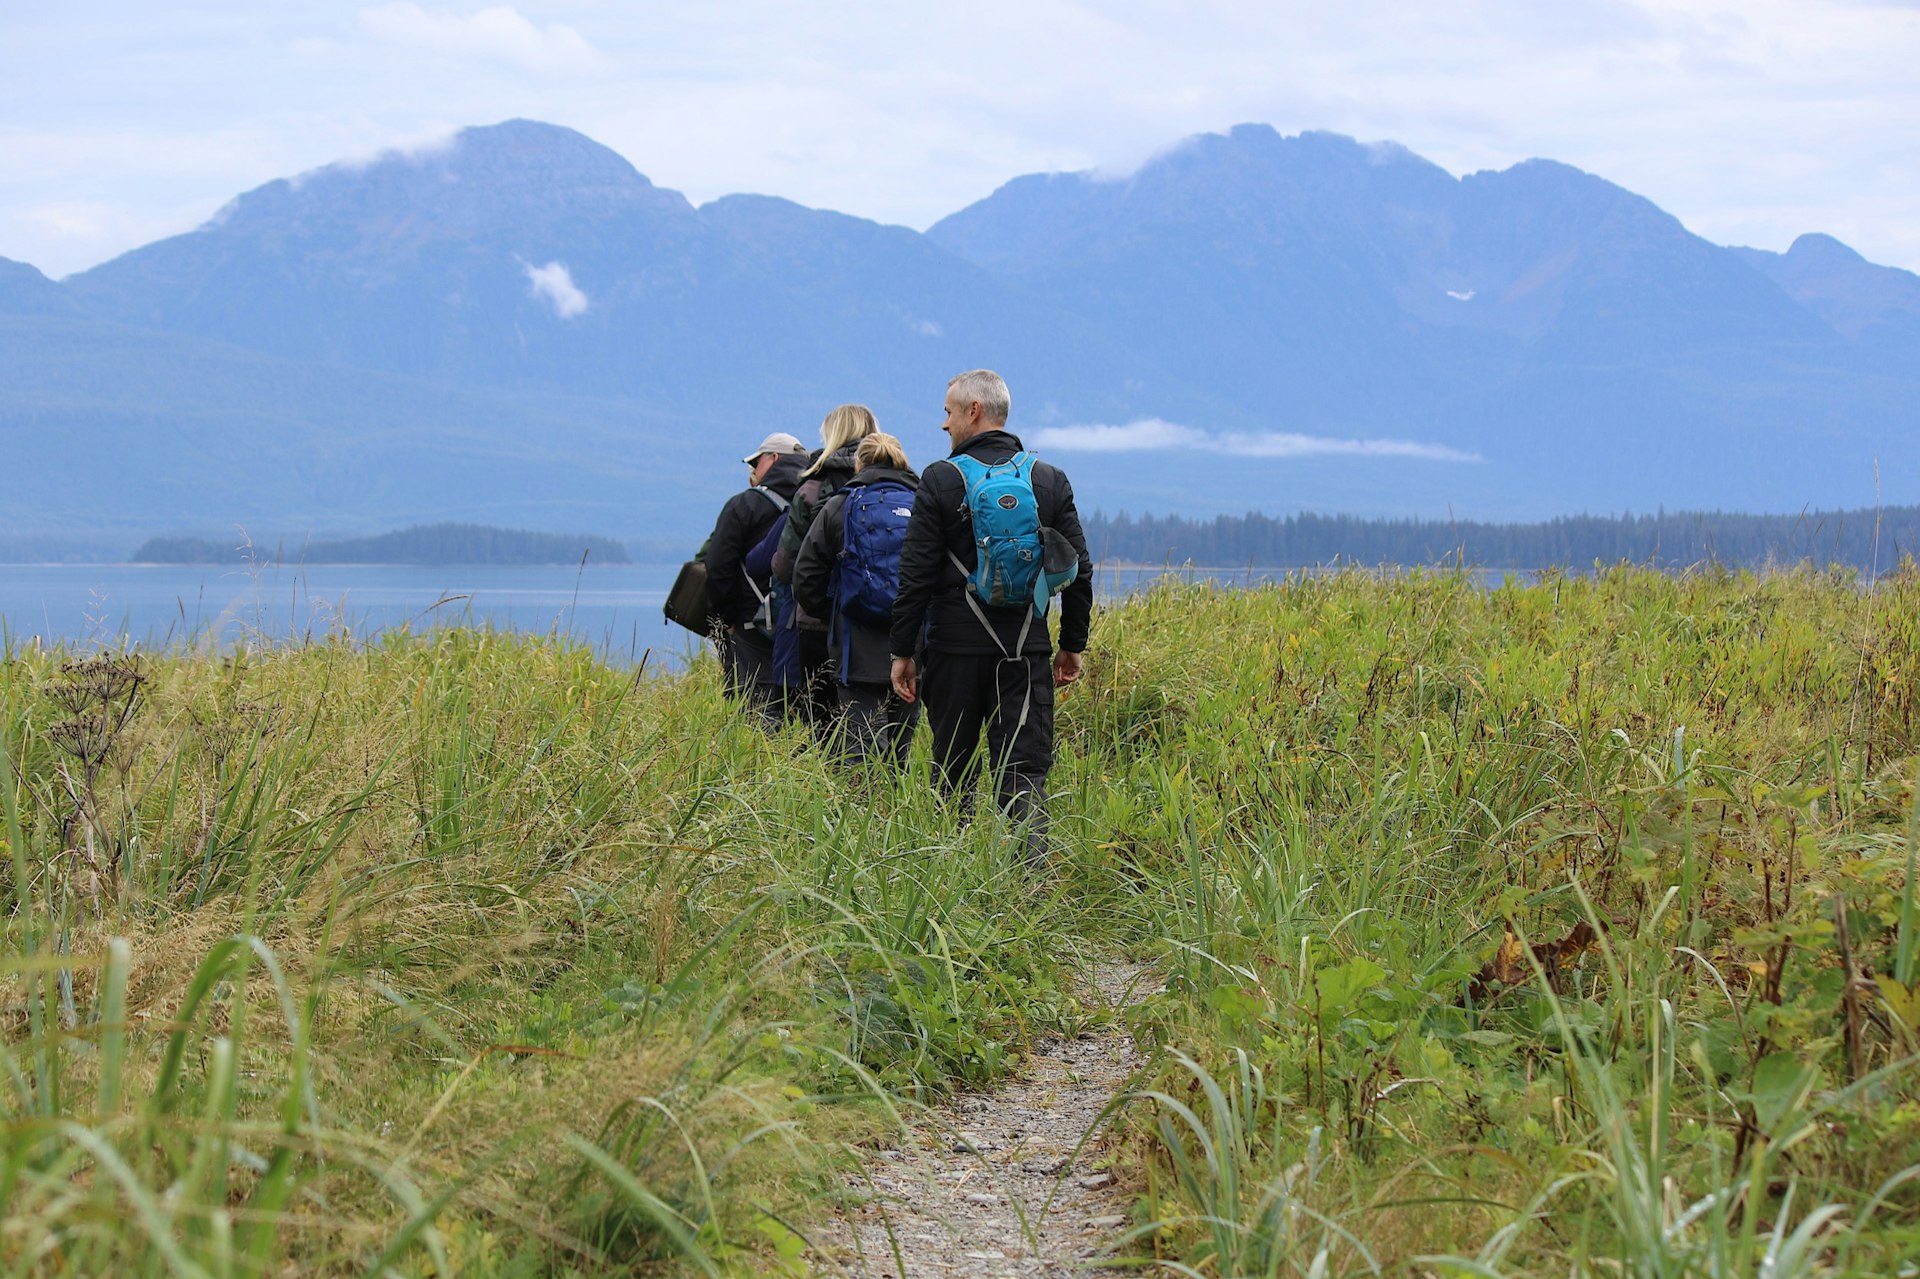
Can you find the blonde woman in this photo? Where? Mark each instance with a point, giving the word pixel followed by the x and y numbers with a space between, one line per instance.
pixel 847 571
pixel 810 682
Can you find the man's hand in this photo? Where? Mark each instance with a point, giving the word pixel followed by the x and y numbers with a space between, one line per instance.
pixel 1066 667
pixel 905 678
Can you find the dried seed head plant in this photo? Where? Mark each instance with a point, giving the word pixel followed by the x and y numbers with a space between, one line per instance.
pixel 101 695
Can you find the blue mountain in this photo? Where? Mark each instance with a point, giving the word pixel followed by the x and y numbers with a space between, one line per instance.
pixel 24 291
pixel 1568 331
pixel 518 327
pixel 529 256
pixel 1876 306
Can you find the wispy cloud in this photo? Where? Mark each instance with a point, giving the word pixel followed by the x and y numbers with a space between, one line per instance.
pixel 84 220
pixel 1752 121
pixel 427 144
pixel 499 33
pixel 1155 435
pixel 553 284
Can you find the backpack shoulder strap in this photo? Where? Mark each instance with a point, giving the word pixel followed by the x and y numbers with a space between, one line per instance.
pixel 971 468
pixel 779 503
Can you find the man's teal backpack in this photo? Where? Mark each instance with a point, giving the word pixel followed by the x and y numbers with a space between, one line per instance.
pixel 1017 562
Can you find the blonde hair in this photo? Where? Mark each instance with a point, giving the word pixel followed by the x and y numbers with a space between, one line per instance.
pixel 840 428
pixel 880 449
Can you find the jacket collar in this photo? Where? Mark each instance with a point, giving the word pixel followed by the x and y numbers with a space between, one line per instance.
pixel 884 474
pixel 995 441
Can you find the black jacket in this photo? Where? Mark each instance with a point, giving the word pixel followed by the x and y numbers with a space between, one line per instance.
pixel 866 661
pixel 933 592
pixel 743 521
pixel 808 500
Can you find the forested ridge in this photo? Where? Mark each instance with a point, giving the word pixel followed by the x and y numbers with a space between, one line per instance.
pixel 1865 539
pixel 420 544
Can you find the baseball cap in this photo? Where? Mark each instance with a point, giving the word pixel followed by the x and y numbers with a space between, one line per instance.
pixel 778 442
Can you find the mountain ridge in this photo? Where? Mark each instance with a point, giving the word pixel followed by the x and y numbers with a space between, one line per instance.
pixel 1322 322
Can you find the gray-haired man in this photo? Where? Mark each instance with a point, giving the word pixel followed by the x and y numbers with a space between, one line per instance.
pixel 985 668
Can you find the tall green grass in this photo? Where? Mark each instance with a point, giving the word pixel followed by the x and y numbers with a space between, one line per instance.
pixel 1565 927
pixel 1518 907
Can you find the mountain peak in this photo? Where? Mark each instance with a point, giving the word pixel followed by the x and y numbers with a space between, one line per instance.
pixel 524 165
pixel 535 145
pixel 1841 287
pixel 1815 248
pixel 1262 143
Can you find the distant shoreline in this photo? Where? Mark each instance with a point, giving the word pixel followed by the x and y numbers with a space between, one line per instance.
pixel 421 545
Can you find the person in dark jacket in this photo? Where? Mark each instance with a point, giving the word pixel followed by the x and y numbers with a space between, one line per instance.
pixel 830 466
pixel 734 596
pixel 871 720
pixel 784 675
pixel 987 668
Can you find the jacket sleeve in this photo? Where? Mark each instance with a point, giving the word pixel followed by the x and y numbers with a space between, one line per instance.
pixel 1076 601
pixel 813 566
pixel 800 518
pixel 726 577
pixel 923 556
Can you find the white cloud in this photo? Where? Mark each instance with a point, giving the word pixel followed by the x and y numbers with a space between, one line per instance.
pixel 1751 121
pixel 1135 437
pixel 83 220
pixel 553 284
pixel 426 144
pixel 499 33
pixel 1155 435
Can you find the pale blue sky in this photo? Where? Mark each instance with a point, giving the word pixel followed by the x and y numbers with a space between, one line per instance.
pixel 1753 122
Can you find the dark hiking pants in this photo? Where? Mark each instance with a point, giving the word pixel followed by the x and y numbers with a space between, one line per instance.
pixel 872 725
pixel 746 660
pixel 813 698
pixel 967 693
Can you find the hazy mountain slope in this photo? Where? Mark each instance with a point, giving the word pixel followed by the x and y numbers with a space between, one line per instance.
pixel 427 265
pixel 518 327
pixel 1837 284
pixel 108 430
pixel 1573 335
pixel 24 291
pixel 1348 280
pixel 1269 269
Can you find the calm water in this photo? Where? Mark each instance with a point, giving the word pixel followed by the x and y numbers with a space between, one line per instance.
pixel 615 608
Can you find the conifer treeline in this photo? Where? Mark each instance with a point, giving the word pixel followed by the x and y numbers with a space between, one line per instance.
pixel 421 544
pixel 1865 539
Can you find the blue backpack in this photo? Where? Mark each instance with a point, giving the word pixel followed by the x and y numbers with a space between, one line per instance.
pixel 1010 548
pixel 867 576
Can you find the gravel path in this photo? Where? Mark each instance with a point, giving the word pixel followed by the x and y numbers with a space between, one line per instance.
pixel 990 1185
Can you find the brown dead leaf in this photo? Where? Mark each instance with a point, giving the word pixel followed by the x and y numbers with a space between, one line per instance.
pixel 1509 967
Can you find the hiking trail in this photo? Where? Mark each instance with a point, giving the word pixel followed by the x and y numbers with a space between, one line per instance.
pixel 966 1193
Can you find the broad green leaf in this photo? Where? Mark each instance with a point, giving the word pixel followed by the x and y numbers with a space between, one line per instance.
pixel 1780 1084
pixel 1341 985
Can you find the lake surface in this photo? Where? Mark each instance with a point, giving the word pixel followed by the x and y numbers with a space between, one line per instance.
pixel 615 608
